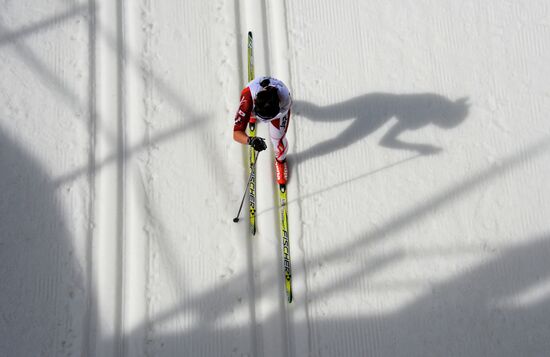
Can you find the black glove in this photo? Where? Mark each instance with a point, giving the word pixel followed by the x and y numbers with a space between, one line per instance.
pixel 257 143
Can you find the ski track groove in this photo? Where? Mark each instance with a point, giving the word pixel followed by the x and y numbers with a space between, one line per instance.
pixel 274 21
pixel 293 47
pixel 121 163
pixel 298 341
pixel 240 32
pixel 245 10
pixel 268 21
pixel 109 138
pixel 86 348
pixel 254 15
pixel 149 225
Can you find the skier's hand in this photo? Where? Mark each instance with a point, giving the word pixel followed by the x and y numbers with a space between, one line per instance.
pixel 257 143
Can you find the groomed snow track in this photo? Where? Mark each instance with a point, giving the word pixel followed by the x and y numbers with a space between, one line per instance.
pixel 418 195
pixel 125 307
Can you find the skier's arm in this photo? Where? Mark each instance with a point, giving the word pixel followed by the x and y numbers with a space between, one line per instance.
pixel 240 137
pixel 242 117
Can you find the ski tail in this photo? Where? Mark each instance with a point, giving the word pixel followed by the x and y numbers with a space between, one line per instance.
pixel 283 216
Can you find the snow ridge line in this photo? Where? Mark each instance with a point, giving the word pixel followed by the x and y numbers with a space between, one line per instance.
pixel 276 319
pixel 121 167
pixel 298 341
pixel 301 285
pixel 89 319
pixel 245 12
pixel 108 115
pixel 240 29
pixel 276 50
pixel 150 227
pixel 275 328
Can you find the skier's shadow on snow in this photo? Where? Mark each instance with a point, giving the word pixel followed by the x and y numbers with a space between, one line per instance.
pixel 369 112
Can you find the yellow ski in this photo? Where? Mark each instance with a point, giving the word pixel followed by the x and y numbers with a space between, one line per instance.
pixel 251 151
pixel 283 216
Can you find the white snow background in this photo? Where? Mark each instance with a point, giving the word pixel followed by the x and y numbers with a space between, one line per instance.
pixel 419 179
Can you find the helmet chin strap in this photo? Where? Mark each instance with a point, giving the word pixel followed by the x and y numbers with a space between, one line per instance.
pixel 262 117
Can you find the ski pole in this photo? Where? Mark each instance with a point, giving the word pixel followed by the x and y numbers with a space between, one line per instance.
pixel 236 219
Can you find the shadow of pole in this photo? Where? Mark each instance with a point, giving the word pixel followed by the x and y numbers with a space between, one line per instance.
pixel 444 198
pixel 309 195
pixel 43 72
pixel 14 35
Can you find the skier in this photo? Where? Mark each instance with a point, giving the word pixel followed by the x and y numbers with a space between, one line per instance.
pixel 268 100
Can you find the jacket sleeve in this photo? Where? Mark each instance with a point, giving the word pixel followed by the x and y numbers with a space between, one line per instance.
pixel 285 101
pixel 245 109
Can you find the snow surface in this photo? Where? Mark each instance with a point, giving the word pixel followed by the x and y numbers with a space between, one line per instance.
pixel 419 196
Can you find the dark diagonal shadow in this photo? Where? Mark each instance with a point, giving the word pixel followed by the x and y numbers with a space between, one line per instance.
pixel 44 287
pixel 10 36
pixel 15 38
pixel 472 305
pixel 444 198
pixel 42 71
pixel 164 136
pixel 50 80
pixel 369 112
pixel 468 315
pixel 326 189
pixel 464 315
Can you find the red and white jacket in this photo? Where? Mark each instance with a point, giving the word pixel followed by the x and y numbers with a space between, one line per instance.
pixel 248 98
